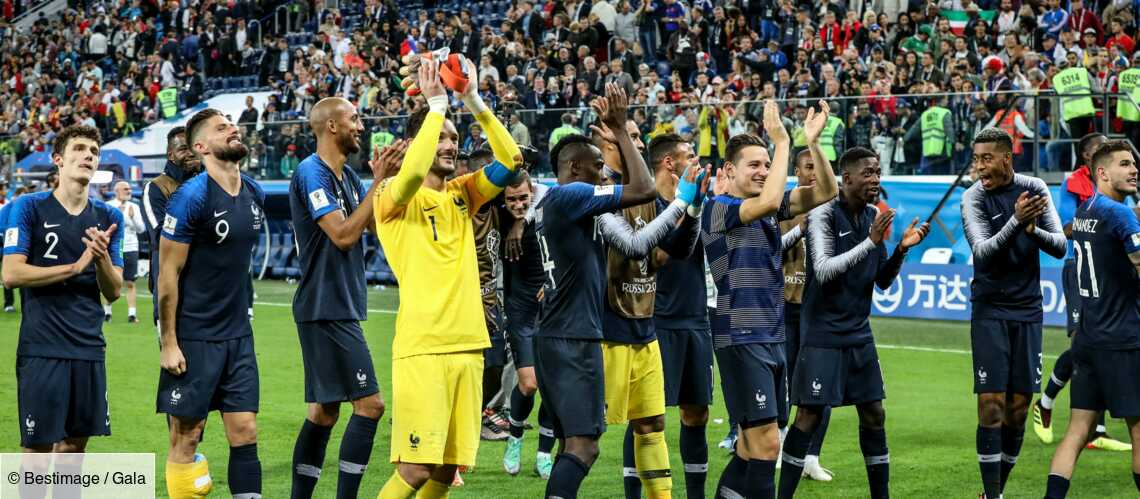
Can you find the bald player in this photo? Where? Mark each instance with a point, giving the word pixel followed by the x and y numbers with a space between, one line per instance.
pixel 328 205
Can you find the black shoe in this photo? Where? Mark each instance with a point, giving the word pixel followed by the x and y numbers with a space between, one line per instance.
pixel 132 319
pixel 106 317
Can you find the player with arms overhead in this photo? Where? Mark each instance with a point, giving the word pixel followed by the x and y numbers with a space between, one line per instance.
pixel 63 250
pixel 330 212
pixel 1008 219
pixel 568 350
pixel 208 362
pixel 1106 347
pixel 424 223
pixel 838 364
pixel 741 238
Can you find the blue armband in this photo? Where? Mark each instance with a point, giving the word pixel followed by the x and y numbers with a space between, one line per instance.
pixel 498 174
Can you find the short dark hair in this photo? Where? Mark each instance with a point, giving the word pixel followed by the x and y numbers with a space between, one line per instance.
pixel 59 143
pixel 197 121
pixel 739 142
pixel 178 131
pixel 567 118
pixel 806 153
pixel 480 154
pixel 1106 149
pixel 572 141
pixel 1086 142
pixel 851 157
pixel 662 146
pixel 416 121
pixel 520 177
pixel 994 136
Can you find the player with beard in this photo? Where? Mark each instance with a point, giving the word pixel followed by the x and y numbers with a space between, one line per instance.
pixel 208 360
pixel 794 246
pixel 181 165
pixel 1008 219
pixel 330 212
pixel 424 224
pixel 838 364
pixel 1106 347
pixel 63 249
pixel 635 383
pixel 522 280
pixel 741 237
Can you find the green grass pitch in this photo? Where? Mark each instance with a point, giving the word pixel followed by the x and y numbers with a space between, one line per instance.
pixel 931 416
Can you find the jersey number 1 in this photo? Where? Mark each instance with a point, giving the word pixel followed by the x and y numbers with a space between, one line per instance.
pixel 1081 257
pixel 434 234
pixel 547 263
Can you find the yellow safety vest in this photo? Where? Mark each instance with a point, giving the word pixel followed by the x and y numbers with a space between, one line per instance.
pixel 381 139
pixel 934 141
pixel 827 138
pixel 1129 86
pixel 799 138
pixel 168 101
pixel 1073 84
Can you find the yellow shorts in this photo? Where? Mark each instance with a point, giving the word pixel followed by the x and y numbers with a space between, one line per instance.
pixel 635 381
pixel 436 405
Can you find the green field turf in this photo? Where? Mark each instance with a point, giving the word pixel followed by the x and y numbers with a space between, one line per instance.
pixel 931 416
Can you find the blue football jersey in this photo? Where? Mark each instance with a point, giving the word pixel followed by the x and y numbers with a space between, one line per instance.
pixel 62 320
pixel 1105 232
pixel 332 284
pixel 213 289
pixel 573 258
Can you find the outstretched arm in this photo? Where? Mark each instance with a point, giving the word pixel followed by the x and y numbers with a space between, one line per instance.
pixel 772 194
pixel 803 199
pixel 421 154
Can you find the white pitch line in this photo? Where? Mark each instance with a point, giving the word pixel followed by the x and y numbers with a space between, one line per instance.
pixel 146 296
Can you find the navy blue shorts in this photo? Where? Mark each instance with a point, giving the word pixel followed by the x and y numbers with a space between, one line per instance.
pixel 687 358
pixel 1106 380
pixel 338 365
pixel 521 341
pixel 1072 298
pixel 753 382
pixel 571 379
pixel 130 265
pixel 792 336
pixel 1007 356
pixel 837 377
pixel 60 399
pixel 220 375
pixel 496 354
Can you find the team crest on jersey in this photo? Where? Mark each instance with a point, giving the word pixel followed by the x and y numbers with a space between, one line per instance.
pixel 1136 239
pixel 11 236
pixel 257 218
pixel 460 203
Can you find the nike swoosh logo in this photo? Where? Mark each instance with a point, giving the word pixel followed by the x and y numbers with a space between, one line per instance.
pixel 844 234
pixel 218 214
pixel 429 209
pixel 995 217
pixel 50 226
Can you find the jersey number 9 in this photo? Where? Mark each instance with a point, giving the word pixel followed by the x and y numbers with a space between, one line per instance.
pixel 222 229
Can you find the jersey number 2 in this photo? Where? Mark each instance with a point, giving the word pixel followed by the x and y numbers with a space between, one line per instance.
pixel 51 239
pixel 1081 257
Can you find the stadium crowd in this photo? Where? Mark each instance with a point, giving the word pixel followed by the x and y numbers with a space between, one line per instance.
pixel 694 68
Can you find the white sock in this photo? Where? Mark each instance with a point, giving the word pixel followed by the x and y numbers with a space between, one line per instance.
pixel 106 310
pixel 131 311
pixel 811 461
pixel 1101 429
pixel 1046 402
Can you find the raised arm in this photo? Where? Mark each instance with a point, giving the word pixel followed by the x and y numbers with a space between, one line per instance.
pixel 614 110
pixel 346 232
pixel 489 181
pixel 772 194
pixel 825 188
pixel 1045 229
pixel 791 237
pixel 421 154
pixel 638 244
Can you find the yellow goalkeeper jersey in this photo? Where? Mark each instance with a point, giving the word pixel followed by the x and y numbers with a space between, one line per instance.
pixel 430 245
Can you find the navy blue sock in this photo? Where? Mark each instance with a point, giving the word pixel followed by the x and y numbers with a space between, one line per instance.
pixel 1058 487
pixel 731 483
pixel 820 432
pixel 309 458
pixel 1011 439
pixel 989 460
pixel 1062 371
pixel 244 473
pixel 761 479
pixel 695 457
pixel 566 477
pixel 795 447
pixel 355 449
pixel 68 464
pixel 629 479
pixel 877 458
pixel 545 430
pixel 1136 480
pixel 521 407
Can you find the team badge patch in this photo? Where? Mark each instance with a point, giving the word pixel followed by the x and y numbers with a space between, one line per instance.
pixel 604 190
pixel 11 236
pixel 318 199
pixel 1136 239
pixel 169 224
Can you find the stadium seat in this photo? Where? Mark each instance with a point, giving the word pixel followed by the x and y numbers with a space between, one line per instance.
pixel 940 256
